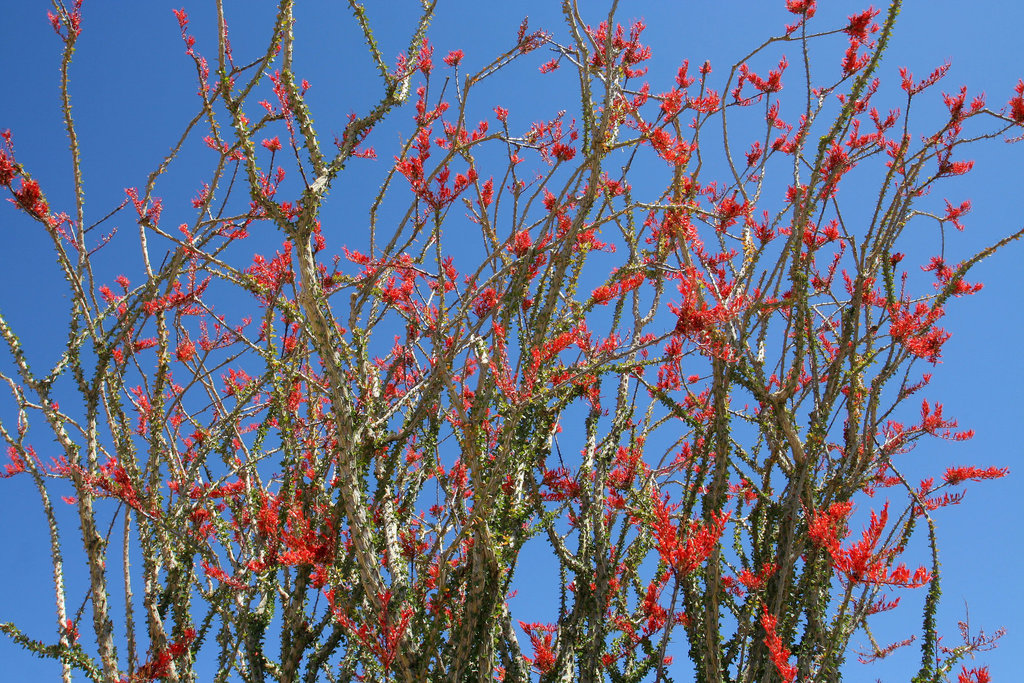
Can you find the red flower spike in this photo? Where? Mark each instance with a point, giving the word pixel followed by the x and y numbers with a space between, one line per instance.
pixel 934 77
pixel 957 475
pixel 454 57
pixel 975 675
pixel 1016 103
pixel 549 66
pixel 860 25
pixel 778 652
pixel 805 7
pixel 30 198
pixel 685 547
pixel 8 169
pixel 541 639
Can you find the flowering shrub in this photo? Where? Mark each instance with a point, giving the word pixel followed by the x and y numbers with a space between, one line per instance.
pixel 342 441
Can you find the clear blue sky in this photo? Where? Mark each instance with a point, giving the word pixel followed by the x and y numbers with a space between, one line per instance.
pixel 133 91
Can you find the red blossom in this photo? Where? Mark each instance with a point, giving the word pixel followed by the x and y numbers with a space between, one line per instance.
pixel 454 57
pixel 30 198
pixel 863 561
pixel 487 193
pixel 953 213
pixel 486 302
pixel 424 61
pixel 672 102
pixel 829 527
pixel 186 351
pixel 71 20
pixel 182 17
pixel 778 652
pixel 383 638
pixel 159 665
pixel 916 330
pixel 907 82
pixel 520 243
pixel 956 475
pixel 541 638
pixel 71 630
pixel 805 7
pixel 860 25
pixel 852 63
pixel 177 299
pixel 562 152
pixel 8 169
pixel 975 675
pixel 221 575
pixel 603 294
pixel 685 546
pixel 549 66
pixel 766 85
pixel 1017 103
pixel 754 154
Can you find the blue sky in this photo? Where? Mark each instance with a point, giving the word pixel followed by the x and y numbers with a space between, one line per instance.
pixel 133 91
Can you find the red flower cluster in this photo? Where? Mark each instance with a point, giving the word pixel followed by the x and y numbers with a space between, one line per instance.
pixel 685 546
pixel 864 561
pixel 779 653
pixel 159 665
pixel 957 475
pixel 541 638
